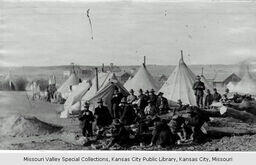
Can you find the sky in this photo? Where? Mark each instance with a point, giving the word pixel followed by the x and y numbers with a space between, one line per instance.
pixel 43 33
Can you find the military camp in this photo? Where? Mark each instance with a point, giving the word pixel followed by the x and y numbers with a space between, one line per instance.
pixel 128 76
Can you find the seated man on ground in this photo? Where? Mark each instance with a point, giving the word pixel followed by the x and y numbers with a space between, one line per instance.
pixel 120 135
pixel 177 127
pixel 161 135
pixel 150 109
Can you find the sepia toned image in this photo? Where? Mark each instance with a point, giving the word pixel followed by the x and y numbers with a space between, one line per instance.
pixel 128 75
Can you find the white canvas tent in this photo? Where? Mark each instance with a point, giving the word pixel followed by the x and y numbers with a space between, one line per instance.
pixel 247 85
pixel 8 83
pixel 106 92
pixel 103 78
pixel 73 103
pixel 142 80
pixel 180 84
pixel 65 87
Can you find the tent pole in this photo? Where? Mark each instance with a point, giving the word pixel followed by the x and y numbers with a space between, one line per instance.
pixel 97 81
pixel 144 60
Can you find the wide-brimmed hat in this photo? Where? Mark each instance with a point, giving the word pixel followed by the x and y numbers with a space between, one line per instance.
pixel 160 93
pixel 152 90
pixel 140 90
pixel 147 91
pixel 86 104
pixel 100 100
pixel 131 91
pixel 198 77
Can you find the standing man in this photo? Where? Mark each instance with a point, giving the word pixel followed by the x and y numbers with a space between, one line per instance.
pixel 128 113
pixel 162 103
pixel 208 99
pixel 216 95
pixel 102 115
pixel 115 101
pixel 153 97
pixel 199 88
pixel 142 101
pixel 86 118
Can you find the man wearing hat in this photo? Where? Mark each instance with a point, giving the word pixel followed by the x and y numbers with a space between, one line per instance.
pixel 120 135
pixel 162 103
pixel 142 101
pixel 150 109
pixel 216 95
pixel 86 118
pixel 177 127
pixel 199 88
pixel 115 101
pixel 128 113
pixel 132 97
pixel 102 115
pixel 208 99
pixel 161 135
pixel 153 96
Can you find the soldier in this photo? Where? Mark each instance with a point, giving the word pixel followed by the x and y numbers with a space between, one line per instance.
pixel 199 88
pixel 161 135
pixel 128 113
pixel 119 135
pixel 208 99
pixel 150 109
pixel 162 104
pixel 115 101
pixel 216 95
pixel 102 115
pixel 131 98
pixel 142 100
pixel 86 117
pixel 153 96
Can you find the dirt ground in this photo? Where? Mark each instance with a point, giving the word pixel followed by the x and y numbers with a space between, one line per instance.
pixel 15 103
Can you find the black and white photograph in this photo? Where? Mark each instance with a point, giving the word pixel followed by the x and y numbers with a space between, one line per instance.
pixel 128 75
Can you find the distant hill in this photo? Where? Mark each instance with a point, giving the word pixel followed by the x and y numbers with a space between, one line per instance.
pixel 32 72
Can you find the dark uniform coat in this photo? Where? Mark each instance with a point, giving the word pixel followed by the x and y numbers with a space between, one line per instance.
pixel 104 118
pixel 86 117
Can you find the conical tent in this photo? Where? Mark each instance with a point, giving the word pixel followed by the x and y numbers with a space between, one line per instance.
pixel 74 98
pixel 8 83
pixel 102 80
pixel 65 87
pixel 180 84
pixel 247 85
pixel 142 80
pixel 106 92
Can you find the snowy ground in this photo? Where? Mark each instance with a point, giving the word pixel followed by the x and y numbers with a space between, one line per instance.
pixel 13 103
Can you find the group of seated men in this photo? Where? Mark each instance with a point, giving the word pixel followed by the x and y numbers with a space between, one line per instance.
pixel 137 120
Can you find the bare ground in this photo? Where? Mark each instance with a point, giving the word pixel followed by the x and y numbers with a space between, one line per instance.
pixel 13 103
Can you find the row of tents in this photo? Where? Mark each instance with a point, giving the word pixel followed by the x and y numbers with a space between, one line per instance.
pixel 178 86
